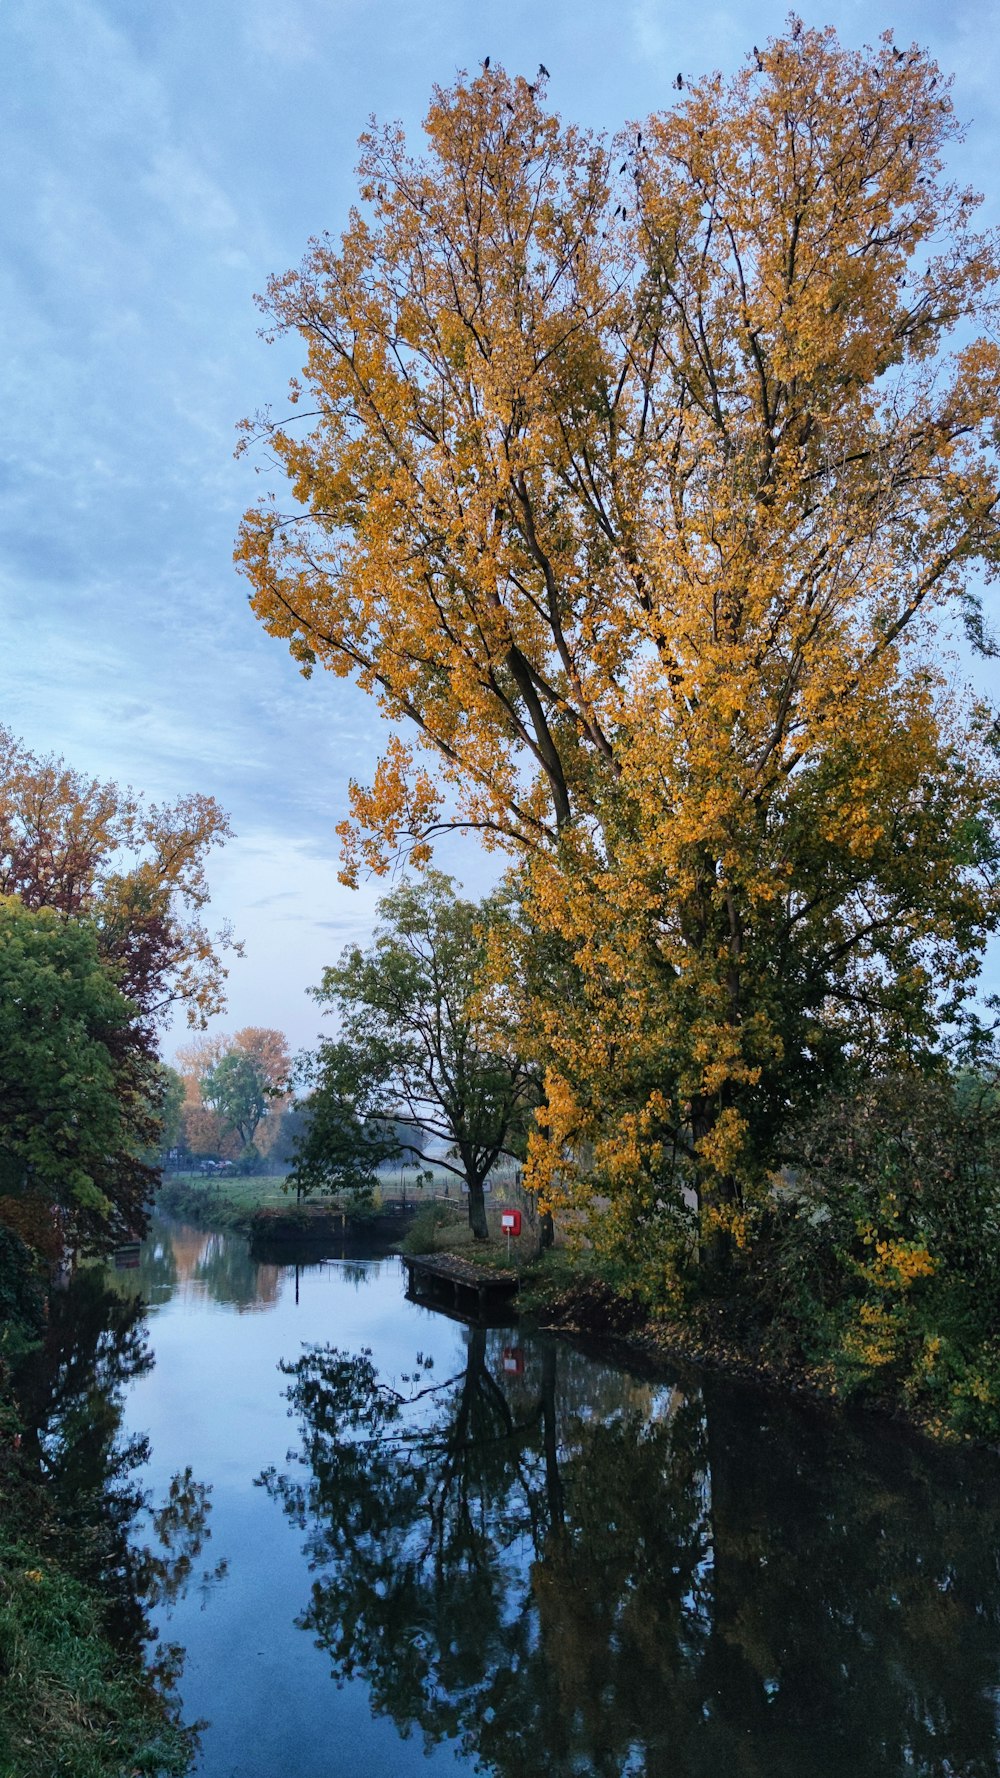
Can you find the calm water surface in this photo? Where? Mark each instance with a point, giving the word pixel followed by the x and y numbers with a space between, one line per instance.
pixel 435 1549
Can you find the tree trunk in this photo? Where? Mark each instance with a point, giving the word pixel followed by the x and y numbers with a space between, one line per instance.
pixel 477 1208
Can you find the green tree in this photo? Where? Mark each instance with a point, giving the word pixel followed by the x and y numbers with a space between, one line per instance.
pixel 237 1091
pixel 171 1107
pixel 342 1138
pixel 418 1040
pixel 884 1245
pixel 76 1098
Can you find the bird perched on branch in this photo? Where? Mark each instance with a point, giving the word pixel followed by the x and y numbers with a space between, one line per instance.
pixel 543 73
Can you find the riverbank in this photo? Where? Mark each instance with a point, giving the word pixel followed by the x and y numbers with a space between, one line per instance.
pixel 272 1220
pixel 568 1292
pixel 227 1203
pixel 935 1390
pixel 75 1699
pixel 562 1293
pixel 69 1703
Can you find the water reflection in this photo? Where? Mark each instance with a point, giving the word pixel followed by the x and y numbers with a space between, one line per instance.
pixel 179 1260
pixel 71 1393
pixel 571 1572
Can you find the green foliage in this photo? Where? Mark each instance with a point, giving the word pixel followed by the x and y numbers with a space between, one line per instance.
pixel 237 1089
pixel 74 1095
pixel 876 1263
pixel 415 1041
pixel 345 1135
pixel 171 1105
pixel 430 1227
pixel 22 1304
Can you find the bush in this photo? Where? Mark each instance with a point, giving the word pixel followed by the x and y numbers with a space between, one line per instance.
pixel 877 1264
pixel 197 1204
pixel 429 1223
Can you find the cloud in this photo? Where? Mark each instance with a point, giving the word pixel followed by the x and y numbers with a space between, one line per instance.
pixel 276 29
pixel 193 201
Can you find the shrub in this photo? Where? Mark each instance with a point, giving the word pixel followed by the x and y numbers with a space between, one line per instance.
pixel 877 1264
pixel 429 1223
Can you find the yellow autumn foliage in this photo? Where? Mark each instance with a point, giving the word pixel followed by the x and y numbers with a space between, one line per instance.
pixel 632 480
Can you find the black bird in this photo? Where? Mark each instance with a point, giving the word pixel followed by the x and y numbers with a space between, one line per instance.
pixel 624 167
pixel 757 58
pixel 486 64
pixel 679 82
pixel 543 72
pixel 909 140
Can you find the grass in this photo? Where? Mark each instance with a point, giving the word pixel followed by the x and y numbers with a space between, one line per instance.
pixel 68 1703
pixel 229 1200
pixel 241 1193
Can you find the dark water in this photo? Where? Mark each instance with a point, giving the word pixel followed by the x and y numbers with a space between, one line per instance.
pixel 434 1549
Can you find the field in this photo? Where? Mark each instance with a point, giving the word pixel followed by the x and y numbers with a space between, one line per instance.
pixel 237 1197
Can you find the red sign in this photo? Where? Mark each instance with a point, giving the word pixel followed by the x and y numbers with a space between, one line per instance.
pixel 510 1222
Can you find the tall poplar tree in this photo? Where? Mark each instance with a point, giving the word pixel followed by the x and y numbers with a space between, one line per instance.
pixel 635 478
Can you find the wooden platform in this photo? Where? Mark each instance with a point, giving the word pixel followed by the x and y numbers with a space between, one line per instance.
pixel 442 1281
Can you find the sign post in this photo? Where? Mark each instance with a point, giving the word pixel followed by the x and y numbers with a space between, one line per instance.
pixel 510 1222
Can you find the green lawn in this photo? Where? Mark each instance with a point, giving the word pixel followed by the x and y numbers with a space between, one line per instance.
pixel 264 1190
pixel 236 1192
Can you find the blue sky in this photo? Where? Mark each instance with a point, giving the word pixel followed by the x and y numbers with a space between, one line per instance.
pixel 160 159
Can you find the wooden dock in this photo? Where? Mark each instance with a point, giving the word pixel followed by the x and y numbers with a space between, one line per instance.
pixel 442 1281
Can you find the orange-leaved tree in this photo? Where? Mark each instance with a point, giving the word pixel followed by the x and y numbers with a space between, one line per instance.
pixel 235 1088
pixel 113 874
pixel 635 477
pixel 91 849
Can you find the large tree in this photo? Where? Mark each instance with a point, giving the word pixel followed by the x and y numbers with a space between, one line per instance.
pixel 234 1085
pixel 102 897
pixel 77 1099
pixel 87 847
pixel 636 478
pixel 416 1038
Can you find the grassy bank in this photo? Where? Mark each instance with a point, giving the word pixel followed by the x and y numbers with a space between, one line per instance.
pixel 228 1201
pixel 225 1202
pixel 69 1704
pixel 73 1702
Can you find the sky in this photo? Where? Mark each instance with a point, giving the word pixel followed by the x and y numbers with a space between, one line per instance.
pixel 161 158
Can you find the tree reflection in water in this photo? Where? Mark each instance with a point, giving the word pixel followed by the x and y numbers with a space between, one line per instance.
pixel 70 1392
pixel 570 1572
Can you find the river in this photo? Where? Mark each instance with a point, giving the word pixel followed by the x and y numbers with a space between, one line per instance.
pixel 390 1544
